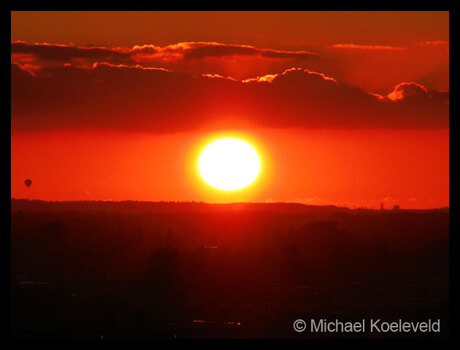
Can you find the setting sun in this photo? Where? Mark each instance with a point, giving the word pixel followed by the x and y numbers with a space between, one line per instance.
pixel 229 164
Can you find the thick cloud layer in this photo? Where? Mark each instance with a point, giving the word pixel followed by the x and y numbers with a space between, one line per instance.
pixel 121 97
pixel 374 67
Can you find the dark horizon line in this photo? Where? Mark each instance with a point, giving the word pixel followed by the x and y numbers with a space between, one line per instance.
pixel 228 203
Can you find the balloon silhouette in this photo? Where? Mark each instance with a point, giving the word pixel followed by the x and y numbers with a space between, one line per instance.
pixel 28 182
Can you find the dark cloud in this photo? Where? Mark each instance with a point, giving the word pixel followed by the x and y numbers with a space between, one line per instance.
pixel 149 53
pixel 203 50
pixel 53 52
pixel 107 96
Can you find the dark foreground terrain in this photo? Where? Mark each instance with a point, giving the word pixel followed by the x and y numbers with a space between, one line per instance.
pixel 194 270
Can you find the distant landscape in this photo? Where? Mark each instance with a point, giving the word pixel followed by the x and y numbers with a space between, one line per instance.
pixel 240 270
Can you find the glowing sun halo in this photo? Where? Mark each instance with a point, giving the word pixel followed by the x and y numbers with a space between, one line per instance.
pixel 229 164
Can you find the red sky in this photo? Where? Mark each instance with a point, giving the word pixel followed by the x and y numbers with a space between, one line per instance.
pixel 347 108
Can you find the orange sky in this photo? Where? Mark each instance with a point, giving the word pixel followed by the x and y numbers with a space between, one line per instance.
pixel 344 108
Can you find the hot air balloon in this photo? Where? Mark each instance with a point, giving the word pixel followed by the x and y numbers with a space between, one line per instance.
pixel 28 182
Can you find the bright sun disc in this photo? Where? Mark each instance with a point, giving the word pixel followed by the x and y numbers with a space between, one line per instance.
pixel 229 164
